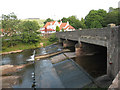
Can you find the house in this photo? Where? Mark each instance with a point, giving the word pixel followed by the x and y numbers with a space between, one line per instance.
pixel 50 27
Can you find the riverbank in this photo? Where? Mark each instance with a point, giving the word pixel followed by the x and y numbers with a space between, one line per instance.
pixel 22 47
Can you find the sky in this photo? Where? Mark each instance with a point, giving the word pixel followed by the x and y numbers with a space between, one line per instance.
pixel 55 9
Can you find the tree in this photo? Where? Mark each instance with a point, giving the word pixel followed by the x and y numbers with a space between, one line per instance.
pixel 82 23
pixel 62 30
pixel 111 9
pixel 10 25
pixel 113 16
pixel 95 16
pixel 57 29
pixel 48 20
pixel 96 24
pixel 29 31
pixel 74 22
pixel 64 20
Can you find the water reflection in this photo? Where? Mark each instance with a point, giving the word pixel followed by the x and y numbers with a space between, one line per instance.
pixel 95 65
pixel 26 78
pixel 17 58
pixel 20 58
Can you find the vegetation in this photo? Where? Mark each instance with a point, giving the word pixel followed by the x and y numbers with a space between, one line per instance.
pixel 57 29
pixel 52 38
pixel 21 34
pixel 39 21
pixel 48 20
pixel 95 19
pixel 62 30
pixel 113 16
pixel 29 31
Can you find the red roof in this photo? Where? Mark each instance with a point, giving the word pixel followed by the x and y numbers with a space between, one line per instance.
pixel 48 23
pixel 70 27
pixel 62 25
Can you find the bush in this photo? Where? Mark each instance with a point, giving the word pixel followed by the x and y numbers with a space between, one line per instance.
pixel 62 30
pixel 57 29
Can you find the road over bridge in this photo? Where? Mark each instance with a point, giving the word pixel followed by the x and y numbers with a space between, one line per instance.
pixel 107 37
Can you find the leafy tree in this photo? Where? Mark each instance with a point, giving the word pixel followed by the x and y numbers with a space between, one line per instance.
pixel 113 16
pixel 57 29
pixel 95 16
pixel 48 20
pixel 64 20
pixel 62 30
pixel 96 24
pixel 111 9
pixel 29 31
pixel 74 22
pixel 82 23
pixel 10 25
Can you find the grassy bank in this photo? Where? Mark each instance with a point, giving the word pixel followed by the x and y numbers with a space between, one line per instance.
pixel 23 46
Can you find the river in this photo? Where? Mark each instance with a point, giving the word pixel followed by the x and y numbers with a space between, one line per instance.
pixel 95 65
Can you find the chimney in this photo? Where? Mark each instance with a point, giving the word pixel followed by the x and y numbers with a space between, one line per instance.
pixel 60 22
pixel 67 23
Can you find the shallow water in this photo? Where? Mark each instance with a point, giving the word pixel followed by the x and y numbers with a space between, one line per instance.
pixel 20 58
pixel 95 65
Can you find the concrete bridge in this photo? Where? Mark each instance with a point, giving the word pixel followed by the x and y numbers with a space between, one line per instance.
pixel 107 37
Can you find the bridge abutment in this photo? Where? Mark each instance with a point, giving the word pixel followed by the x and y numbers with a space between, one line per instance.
pixel 60 40
pixel 67 44
pixel 78 49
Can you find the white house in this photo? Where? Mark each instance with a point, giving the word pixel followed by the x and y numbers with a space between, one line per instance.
pixel 50 27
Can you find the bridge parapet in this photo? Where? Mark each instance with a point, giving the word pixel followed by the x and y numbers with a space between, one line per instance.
pixel 94 36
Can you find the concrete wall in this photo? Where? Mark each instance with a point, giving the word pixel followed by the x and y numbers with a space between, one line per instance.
pixel 107 37
pixel 113 62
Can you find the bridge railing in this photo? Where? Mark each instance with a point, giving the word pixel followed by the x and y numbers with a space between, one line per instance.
pixel 101 34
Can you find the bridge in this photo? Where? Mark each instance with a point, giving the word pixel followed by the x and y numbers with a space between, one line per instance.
pixel 107 37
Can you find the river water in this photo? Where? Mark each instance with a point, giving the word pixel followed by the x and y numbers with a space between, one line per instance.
pixel 95 65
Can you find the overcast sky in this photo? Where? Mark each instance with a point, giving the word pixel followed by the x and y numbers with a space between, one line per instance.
pixel 55 9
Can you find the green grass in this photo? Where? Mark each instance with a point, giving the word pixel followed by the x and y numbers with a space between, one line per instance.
pixel 20 46
pixel 23 46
